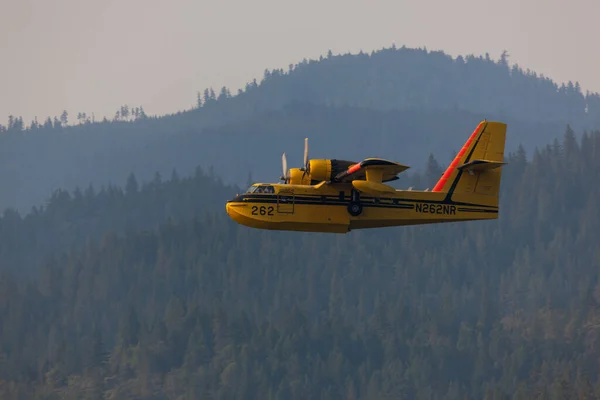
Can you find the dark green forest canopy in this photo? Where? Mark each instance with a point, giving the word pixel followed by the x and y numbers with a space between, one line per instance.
pixel 398 103
pixel 73 219
pixel 203 306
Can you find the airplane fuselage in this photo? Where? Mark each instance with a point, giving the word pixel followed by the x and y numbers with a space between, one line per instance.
pixel 338 208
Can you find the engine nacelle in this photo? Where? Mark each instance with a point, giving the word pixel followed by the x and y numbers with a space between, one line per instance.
pixel 326 170
pixel 296 177
pixel 319 170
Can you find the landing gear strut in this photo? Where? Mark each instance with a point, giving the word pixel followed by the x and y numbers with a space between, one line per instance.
pixel 355 208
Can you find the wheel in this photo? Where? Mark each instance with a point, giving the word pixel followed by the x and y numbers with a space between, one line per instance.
pixel 354 208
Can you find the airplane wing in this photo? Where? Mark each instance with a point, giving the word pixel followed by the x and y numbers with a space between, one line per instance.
pixel 377 169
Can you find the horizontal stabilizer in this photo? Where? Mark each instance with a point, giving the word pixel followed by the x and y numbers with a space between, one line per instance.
pixel 481 165
pixel 372 188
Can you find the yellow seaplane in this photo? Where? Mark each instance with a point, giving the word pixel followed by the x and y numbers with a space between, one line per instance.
pixel 339 196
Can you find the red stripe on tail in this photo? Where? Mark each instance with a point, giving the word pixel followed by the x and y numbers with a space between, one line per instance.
pixel 440 184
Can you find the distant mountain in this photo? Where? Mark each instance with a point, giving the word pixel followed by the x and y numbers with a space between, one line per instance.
pixel 400 78
pixel 396 103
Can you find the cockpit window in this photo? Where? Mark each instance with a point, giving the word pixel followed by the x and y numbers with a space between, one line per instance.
pixel 266 189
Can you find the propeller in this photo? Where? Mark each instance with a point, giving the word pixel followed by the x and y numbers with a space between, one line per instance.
pixel 286 173
pixel 306 163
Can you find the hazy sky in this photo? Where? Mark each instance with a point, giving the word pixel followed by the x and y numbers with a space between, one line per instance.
pixel 93 56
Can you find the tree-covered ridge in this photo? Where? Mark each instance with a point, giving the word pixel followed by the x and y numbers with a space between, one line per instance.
pixel 40 161
pixel 397 78
pixel 209 309
pixel 386 79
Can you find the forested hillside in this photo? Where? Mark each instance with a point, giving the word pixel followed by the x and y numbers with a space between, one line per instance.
pixel 398 78
pixel 36 163
pixel 204 308
pixel 390 103
pixel 73 219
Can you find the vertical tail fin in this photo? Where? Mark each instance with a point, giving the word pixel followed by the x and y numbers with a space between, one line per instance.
pixel 476 169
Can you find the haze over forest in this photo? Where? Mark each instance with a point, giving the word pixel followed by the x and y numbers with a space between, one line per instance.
pixel 396 103
pixel 121 275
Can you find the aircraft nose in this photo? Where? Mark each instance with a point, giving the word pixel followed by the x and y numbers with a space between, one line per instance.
pixel 233 214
